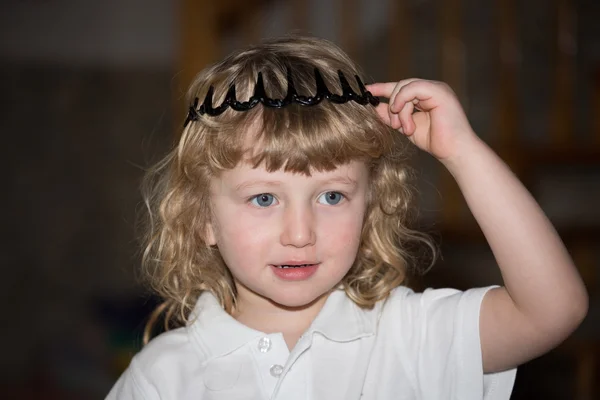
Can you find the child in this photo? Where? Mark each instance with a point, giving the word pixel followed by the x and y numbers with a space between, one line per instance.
pixel 279 240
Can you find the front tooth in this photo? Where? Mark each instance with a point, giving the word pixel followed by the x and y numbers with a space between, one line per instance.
pixel 293 266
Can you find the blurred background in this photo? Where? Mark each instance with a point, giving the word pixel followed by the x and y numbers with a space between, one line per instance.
pixel 92 94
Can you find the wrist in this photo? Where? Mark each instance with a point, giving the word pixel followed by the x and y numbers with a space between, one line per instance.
pixel 467 149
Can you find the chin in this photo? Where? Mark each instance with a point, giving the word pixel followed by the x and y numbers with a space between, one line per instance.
pixel 295 300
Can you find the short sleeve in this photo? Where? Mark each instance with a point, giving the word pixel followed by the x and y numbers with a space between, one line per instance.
pixel 440 333
pixel 132 385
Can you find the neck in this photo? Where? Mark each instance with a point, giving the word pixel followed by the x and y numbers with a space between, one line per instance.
pixel 263 315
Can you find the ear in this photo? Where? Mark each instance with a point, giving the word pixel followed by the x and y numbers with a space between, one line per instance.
pixel 209 234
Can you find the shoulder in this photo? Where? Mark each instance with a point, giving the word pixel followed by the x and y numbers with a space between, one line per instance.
pixel 167 350
pixel 437 333
pixel 434 315
pixel 426 326
pixel 158 368
pixel 403 299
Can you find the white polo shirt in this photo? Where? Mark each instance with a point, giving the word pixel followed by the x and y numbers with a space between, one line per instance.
pixel 412 346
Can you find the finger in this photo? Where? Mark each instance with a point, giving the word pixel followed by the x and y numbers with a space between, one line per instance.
pixel 387 89
pixel 395 121
pixel 396 106
pixel 384 89
pixel 393 116
pixel 421 93
pixel 405 116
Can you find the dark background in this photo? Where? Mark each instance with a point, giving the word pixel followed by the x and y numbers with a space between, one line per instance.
pixel 91 96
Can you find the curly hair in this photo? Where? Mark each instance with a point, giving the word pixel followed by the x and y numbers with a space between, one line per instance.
pixel 179 264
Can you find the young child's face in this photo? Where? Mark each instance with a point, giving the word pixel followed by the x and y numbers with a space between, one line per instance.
pixel 263 220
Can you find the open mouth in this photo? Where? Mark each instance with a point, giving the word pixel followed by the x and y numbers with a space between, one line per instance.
pixel 295 272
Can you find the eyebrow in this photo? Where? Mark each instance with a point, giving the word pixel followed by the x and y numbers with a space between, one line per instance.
pixel 344 180
pixel 250 184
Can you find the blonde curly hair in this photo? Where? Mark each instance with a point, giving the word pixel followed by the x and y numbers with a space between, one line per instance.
pixel 179 264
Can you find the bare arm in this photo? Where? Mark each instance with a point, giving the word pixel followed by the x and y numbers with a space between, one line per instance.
pixel 544 298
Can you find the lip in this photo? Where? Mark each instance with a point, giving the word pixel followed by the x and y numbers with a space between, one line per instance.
pixel 295 274
pixel 301 262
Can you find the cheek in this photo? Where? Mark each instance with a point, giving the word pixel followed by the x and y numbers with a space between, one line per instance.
pixel 351 235
pixel 342 232
pixel 240 233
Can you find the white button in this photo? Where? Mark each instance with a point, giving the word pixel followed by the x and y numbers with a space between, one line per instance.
pixel 264 345
pixel 276 370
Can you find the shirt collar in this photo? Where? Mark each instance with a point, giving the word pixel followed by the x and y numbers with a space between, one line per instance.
pixel 215 331
pixel 219 334
pixel 341 320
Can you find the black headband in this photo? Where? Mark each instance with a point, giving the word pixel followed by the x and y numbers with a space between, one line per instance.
pixel 365 97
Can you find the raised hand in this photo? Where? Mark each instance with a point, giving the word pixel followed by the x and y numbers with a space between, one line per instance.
pixel 439 126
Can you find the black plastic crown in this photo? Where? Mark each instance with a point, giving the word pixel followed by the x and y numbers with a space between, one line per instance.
pixel 365 97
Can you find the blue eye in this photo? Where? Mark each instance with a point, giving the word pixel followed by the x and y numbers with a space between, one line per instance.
pixel 331 198
pixel 262 200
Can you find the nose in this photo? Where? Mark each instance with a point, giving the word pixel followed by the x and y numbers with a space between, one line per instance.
pixel 298 227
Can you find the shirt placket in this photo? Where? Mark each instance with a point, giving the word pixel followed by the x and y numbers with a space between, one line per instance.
pixel 271 354
pixel 293 380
